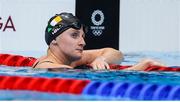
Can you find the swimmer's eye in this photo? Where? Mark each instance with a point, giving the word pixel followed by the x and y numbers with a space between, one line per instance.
pixel 75 35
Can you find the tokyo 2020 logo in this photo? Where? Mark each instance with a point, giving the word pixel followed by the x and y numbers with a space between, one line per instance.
pixel 97 28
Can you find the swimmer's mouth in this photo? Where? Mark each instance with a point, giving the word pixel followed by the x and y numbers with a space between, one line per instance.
pixel 80 50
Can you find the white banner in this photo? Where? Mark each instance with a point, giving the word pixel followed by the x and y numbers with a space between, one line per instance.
pixel 149 25
pixel 23 22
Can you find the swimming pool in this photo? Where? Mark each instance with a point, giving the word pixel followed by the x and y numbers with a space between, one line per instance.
pixel 162 80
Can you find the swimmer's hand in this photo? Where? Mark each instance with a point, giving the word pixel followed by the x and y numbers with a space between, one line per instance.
pixel 99 63
pixel 144 64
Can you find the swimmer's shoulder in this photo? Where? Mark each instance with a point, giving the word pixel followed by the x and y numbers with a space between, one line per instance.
pixel 44 62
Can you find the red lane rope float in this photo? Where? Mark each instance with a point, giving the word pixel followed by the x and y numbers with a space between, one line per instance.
pixel 7 82
pixel 58 85
pixel 3 57
pixel 50 85
pixel 11 60
pixel 76 88
pixel 159 68
pixel 16 60
pixel 65 83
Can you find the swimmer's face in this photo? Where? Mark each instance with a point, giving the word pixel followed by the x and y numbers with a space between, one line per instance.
pixel 71 43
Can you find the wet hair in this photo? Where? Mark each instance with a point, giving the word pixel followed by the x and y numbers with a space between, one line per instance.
pixel 60 23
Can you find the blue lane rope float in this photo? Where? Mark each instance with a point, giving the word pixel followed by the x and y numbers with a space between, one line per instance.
pixel 132 91
pixel 162 92
pixel 174 94
pixel 119 90
pixel 147 92
pixel 105 88
pixel 91 88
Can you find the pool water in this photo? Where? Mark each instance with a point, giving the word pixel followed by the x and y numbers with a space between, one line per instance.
pixel 161 78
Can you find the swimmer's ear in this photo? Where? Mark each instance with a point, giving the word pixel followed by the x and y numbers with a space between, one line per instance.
pixel 54 42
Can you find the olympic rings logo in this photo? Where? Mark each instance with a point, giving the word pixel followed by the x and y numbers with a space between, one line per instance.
pixel 94 14
pixel 97 32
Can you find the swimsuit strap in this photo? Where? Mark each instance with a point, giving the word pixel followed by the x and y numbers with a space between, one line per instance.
pixel 42 62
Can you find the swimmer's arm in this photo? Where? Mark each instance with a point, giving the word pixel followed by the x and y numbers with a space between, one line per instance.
pixel 109 55
pixel 144 64
pixel 139 66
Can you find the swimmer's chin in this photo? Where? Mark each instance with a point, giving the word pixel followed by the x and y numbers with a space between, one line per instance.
pixel 76 58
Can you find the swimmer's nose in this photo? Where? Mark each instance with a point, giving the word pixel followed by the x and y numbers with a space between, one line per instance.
pixel 82 42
